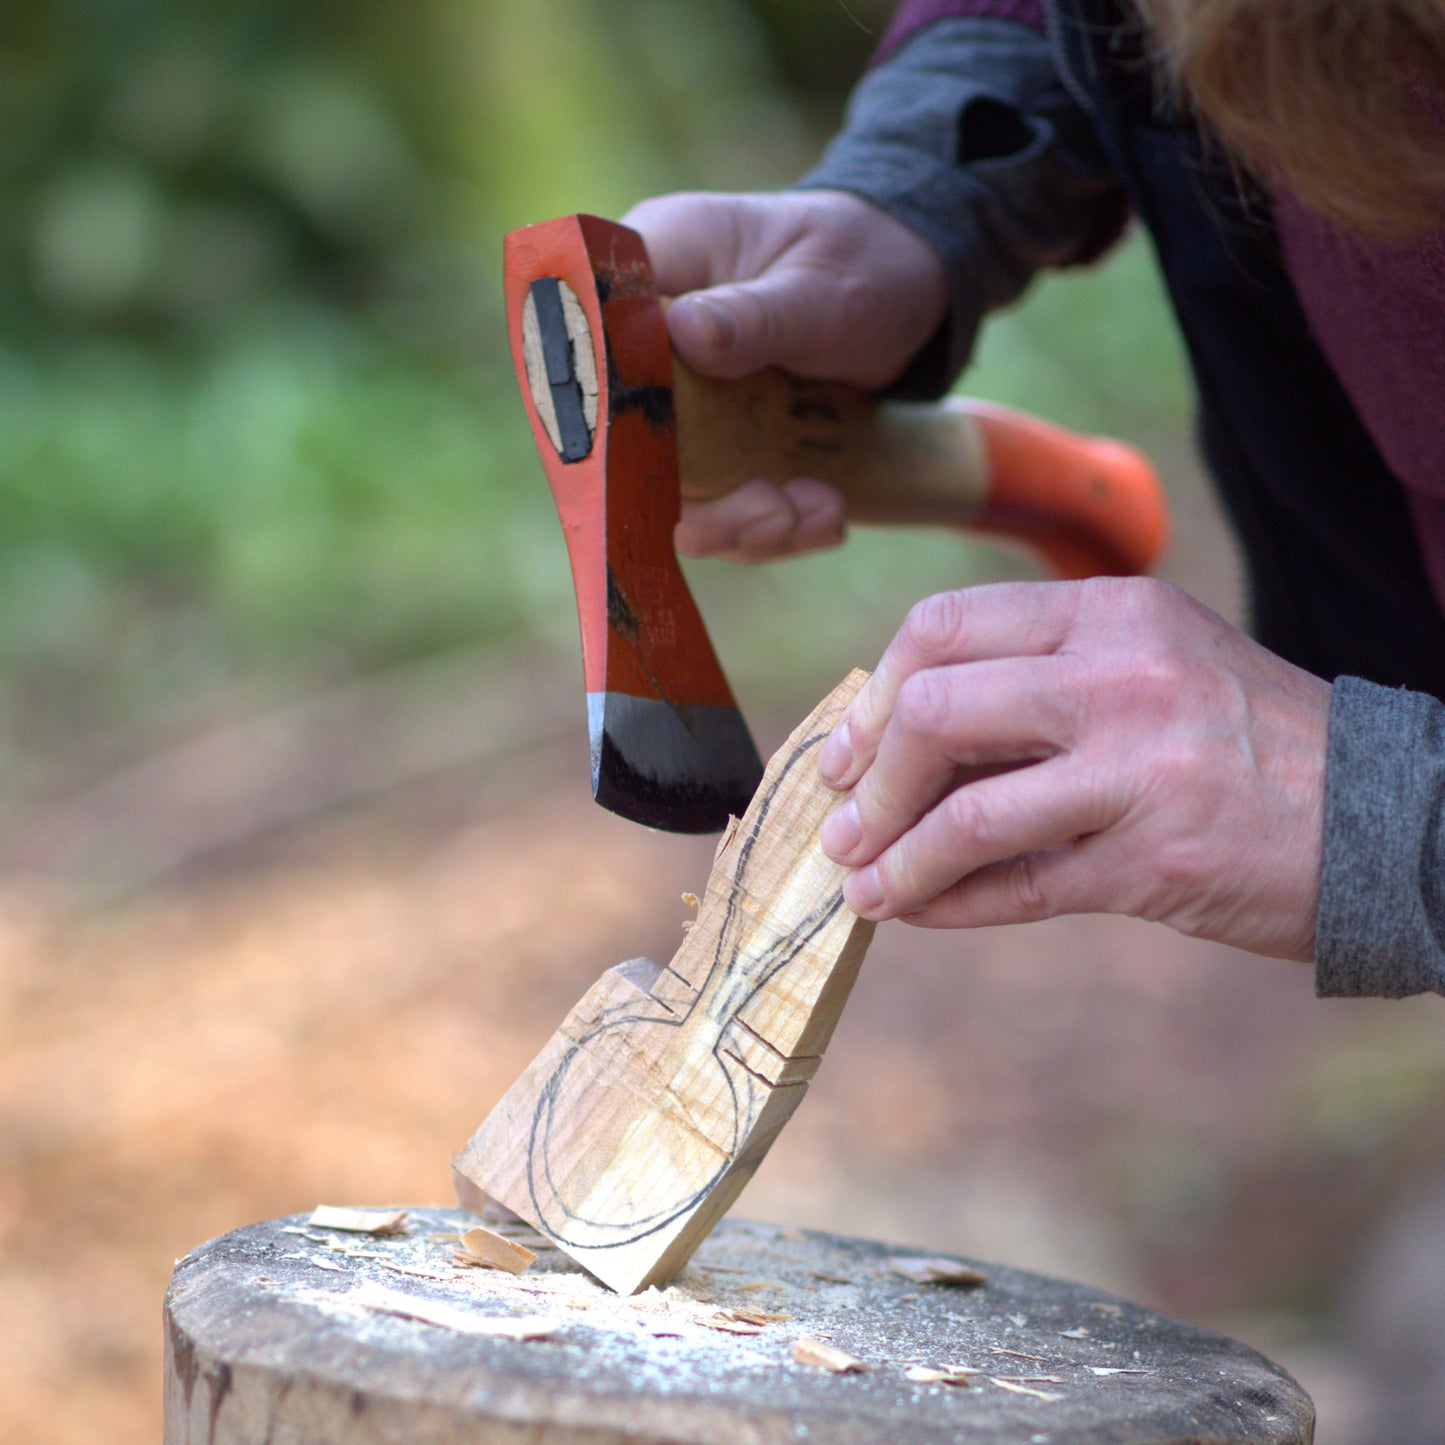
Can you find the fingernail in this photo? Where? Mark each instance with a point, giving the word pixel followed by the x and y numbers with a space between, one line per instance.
pixel 863 893
pixel 841 830
pixel 835 757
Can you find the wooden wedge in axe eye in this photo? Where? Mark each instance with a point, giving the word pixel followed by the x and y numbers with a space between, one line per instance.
pixel 625 430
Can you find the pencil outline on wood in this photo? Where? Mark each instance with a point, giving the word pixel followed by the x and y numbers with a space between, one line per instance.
pixel 726 1013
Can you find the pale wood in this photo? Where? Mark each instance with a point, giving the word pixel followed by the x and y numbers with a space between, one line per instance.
pixel 401 1348
pixel 488 1247
pixel 358 1221
pixel 893 461
pixel 823 1356
pixel 638 1124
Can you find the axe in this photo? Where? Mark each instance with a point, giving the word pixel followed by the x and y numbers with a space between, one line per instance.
pixel 625 430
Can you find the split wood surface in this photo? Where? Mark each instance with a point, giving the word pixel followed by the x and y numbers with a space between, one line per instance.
pixel 636 1127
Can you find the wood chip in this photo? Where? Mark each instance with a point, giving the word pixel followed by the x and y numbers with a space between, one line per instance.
pixel 487 1247
pixel 377 1297
pixel 1117 1370
pixel 829 1278
pixel 358 1221
pixel 1017 1354
pixel 923 1270
pixel 1077 1333
pixel 932 1375
pixel 808 1351
pixel 1045 1395
pixel 325 1263
pixel 691 900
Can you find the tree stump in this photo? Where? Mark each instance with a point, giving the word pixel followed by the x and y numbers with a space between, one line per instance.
pixel 284 1333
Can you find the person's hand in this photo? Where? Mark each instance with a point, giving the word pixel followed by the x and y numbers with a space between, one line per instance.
pixel 1112 746
pixel 819 283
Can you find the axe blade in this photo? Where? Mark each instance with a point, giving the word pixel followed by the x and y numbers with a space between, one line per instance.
pixel 589 340
pixel 685 769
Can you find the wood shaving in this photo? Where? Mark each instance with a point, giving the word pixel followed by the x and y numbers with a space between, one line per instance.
pixel 823 1356
pixel 829 1278
pixel 753 1284
pixel 932 1375
pixel 444 1275
pixel 923 1270
pixel 1103 1309
pixel 1077 1333
pixel 1046 1395
pixel 1117 1370
pixel 691 900
pixel 1017 1354
pixel 726 1321
pixel 1032 1380
pixel 358 1221
pixel 325 1263
pixel 486 1247
pixel 377 1297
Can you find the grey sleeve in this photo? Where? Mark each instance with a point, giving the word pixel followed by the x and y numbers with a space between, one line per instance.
pixel 968 136
pixel 1380 928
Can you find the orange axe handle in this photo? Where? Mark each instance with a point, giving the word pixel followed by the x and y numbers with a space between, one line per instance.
pixel 1090 506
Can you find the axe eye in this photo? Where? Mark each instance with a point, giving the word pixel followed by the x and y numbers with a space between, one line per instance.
pixel 561 366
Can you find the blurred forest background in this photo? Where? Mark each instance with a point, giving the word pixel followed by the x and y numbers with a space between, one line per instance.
pixel 292 765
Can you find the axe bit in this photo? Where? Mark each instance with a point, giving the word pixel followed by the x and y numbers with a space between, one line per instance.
pixel 625 430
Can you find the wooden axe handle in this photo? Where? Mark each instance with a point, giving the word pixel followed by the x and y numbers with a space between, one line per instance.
pixel 1090 505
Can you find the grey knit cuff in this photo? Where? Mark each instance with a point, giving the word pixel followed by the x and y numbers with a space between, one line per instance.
pixel 969 138
pixel 1380 928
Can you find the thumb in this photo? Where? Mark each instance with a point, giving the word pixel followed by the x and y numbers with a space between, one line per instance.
pixel 779 319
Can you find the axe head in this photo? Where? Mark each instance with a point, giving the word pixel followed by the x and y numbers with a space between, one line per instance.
pixel 589 341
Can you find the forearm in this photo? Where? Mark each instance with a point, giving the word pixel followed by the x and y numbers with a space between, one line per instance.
pixel 1380 930
pixel 966 135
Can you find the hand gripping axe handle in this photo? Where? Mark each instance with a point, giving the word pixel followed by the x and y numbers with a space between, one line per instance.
pixel 625 430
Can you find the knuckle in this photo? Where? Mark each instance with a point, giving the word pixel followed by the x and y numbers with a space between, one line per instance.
pixel 1134 598
pixel 978 824
pixel 934 626
pixel 924 706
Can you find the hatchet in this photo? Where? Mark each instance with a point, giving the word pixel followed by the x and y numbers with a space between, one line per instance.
pixel 625 430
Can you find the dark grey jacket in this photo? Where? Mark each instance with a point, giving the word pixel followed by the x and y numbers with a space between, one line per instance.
pixel 1010 151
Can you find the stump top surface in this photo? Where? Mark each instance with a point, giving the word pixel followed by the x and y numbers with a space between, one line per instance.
pixel 284 1333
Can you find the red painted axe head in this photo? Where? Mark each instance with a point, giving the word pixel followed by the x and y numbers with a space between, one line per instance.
pixel 589 340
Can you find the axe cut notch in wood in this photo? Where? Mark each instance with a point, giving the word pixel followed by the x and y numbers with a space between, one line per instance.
pixel 633 1131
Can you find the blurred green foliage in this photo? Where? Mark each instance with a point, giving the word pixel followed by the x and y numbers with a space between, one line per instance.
pixel 256 411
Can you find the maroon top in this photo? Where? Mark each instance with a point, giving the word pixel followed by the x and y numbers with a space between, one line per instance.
pixel 1377 309
pixel 913 15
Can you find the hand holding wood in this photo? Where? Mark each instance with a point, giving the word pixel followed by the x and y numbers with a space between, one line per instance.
pixel 1113 746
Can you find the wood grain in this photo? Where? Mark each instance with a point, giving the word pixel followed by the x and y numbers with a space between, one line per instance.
pixel 638 1124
